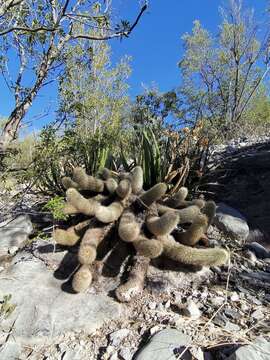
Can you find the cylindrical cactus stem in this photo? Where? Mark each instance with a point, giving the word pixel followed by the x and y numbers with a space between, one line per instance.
pixel 198 202
pixel 67 182
pixel 111 213
pixel 175 200
pixel 105 173
pixel 134 286
pixel 137 179
pixel 188 215
pixel 87 182
pixel 193 256
pixel 90 241
pixel 83 205
pixel 111 185
pixel 194 233
pixel 72 235
pixel 129 228
pixel 162 225
pixel 153 194
pixel 151 248
pixel 66 237
pixel 123 190
pixel 210 211
pixel 82 279
pixel 69 209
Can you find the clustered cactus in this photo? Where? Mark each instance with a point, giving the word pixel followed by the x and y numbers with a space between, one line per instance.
pixel 155 224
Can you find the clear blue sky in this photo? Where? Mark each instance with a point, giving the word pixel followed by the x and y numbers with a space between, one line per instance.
pixel 155 46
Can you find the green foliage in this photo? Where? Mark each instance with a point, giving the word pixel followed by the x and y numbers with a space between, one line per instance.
pixel 56 206
pixel 222 73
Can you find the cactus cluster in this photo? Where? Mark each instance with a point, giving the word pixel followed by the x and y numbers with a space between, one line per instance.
pixel 153 223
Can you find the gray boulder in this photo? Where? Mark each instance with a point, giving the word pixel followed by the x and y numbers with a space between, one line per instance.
pixel 166 344
pixel 43 310
pixel 14 233
pixel 231 222
pixel 259 350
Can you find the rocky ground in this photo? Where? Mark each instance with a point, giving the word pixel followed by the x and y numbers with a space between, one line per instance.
pixel 216 313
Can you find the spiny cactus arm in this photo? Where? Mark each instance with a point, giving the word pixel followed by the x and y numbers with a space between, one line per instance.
pixel 193 256
pixel 137 179
pixel 70 209
pixel 198 202
pixel 69 183
pixel 187 215
pixel 105 173
pixel 83 205
pixel 129 229
pixel 87 182
pixel 162 225
pixel 123 190
pixel 111 213
pixel 210 211
pixel 134 286
pixel 111 185
pixel 151 248
pixel 72 235
pixel 175 200
pixel 66 237
pixel 82 279
pixel 194 233
pixel 153 194
pixel 90 241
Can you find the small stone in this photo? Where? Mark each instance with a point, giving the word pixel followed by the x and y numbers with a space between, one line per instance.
pixel 152 305
pixel 244 307
pixel 259 250
pixel 234 296
pixel 231 313
pixel 114 356
pixel 217 300
pixel 163 345
pixel 258 314
pixel 117 336
pixel 191 310
pixel 167 304
pixel 125 354
pixel 12 250
pixel 155 329
pixel 231 327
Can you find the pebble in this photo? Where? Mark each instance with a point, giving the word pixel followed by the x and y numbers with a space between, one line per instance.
pixel 125 354
pixel 152 305
pixel 217 301
pixel 259 250
pixel 191 310
pixel 12 250
pixel 117 336
pixel 234 296
pixel 257 314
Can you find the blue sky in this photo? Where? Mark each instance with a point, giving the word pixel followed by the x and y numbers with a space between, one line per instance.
pixel 155 47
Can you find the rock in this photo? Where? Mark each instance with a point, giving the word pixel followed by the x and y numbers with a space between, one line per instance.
pixel 10 350
pixel 43 310
pixel 258 250
pixel 231 222
pixel 258 314
pixel 14 234
pixel 166 344
pixel 231 327
pixel 152 305
pixel 125 354
pixel 191 310
pixel 234 296
pixel 259 350
pixel 217 300
pixel 117 336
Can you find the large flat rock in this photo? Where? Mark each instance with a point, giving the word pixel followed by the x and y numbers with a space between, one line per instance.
pixel 43 310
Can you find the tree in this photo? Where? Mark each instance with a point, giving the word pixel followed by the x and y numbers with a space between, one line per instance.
pixel 38 32
pixel 221 74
